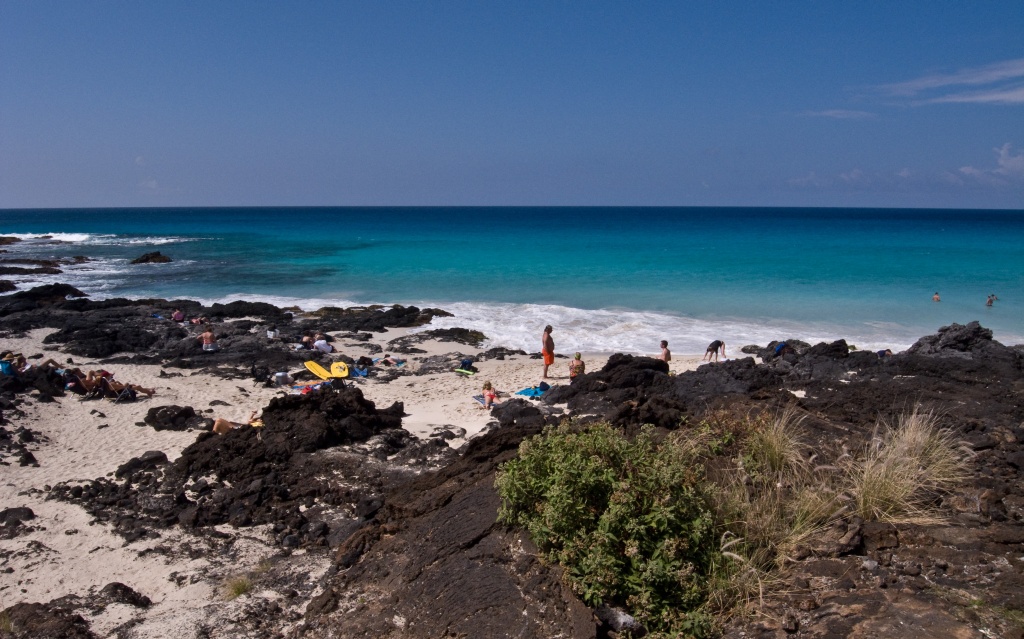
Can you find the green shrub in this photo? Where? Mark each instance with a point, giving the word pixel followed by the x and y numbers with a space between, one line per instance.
pixel 628 520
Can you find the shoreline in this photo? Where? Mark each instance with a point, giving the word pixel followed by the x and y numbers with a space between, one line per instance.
pixel 69 553
pixel 78 441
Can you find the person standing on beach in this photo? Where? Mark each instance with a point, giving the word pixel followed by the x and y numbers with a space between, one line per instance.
pixel 936 298
pixel 713 349
pixel 547 349
pixel 666 355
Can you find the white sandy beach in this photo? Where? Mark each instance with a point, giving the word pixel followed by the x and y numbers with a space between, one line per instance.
pixel 67 553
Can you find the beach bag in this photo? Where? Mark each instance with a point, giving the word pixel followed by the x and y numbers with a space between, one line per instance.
pixel 6 368
pixel 467 365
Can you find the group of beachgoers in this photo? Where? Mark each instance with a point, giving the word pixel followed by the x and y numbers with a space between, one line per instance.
pixel 89 384
pixel 577 366
pixel 989 301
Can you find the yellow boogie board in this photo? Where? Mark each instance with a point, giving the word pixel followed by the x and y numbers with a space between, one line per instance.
pixel 339 369
pixel 318 370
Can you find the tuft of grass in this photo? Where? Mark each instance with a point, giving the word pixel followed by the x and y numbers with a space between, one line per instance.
pixel 775 445
pixel 237 586
pixel 905 467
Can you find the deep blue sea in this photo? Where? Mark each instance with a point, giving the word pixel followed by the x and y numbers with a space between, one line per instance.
pixel 607 279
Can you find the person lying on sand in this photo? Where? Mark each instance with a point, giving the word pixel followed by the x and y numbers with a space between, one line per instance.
pixel 221 426
pixel 490 395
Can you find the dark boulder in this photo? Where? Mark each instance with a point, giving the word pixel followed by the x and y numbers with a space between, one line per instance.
pixel 154 257
pixel 15 516
pixel 119 593
pixel 43 621
pixel 172 418
pixel 147 460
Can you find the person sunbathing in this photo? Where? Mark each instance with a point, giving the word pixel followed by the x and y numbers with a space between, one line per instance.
pixel 118 388
pixel 221 426
pixel 490 395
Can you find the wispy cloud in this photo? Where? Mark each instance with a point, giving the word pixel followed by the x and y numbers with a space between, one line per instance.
pixel 840 114
pixel 996 96
pixel 997 83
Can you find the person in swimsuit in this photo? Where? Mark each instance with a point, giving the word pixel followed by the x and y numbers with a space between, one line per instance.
pixel 221 426
pixel 666 355
pixel 936 298
pixel 713 349
pixel 547 349
pixel 490 395
pixel 209 340
pixel 577 366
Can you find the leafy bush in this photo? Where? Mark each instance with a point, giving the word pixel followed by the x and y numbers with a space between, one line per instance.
pixel 627 519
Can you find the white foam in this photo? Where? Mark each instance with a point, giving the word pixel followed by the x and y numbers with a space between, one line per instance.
pixel 101 239
pixel 71 238
pixel 604 331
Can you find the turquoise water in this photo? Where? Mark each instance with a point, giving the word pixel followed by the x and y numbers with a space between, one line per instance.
pixel 606 278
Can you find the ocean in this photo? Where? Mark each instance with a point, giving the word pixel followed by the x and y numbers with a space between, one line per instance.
pixel 607 279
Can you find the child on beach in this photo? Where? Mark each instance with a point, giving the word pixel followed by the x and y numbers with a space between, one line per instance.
pixel 490 395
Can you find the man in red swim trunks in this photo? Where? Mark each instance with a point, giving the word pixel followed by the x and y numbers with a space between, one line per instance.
pixel 547 349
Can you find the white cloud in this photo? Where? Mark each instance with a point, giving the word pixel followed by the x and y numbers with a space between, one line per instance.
pixel 990 74
pixel 1006 173
pixel 1009 168
pixel 149 185
pixel 1009 164
pixel 140 161
pixel 840 114
pixel 853 177
pixel 998 96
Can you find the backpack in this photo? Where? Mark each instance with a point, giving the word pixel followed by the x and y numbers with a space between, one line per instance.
pixel 6 368
pixel 261 375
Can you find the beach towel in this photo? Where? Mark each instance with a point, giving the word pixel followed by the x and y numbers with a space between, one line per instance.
pixel 305 389
pixel 464 371
pixel 359 372
pixel 480 398
pixel 532 391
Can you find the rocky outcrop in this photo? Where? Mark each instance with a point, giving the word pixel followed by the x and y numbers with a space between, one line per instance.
pixel 154 257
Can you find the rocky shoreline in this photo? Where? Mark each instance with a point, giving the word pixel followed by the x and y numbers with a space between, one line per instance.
pixel 367 530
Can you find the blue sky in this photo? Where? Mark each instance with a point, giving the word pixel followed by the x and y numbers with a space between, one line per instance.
pixel 212 103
